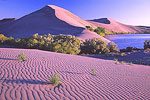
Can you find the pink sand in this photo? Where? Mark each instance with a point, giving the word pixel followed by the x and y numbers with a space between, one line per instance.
pixel 114 26
pixel 26 80
pixel 56 20
pixel 50 19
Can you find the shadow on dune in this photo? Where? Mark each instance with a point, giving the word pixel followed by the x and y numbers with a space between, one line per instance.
pixel 19 81
pixel 7 59
pixel 43 21
pixel 102 20
pixel 139 57
pixel 70 72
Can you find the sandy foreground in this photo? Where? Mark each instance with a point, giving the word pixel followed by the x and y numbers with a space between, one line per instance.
pixel 27 80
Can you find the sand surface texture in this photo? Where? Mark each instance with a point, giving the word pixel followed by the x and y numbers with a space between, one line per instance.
pixel 27 80
pixel 111 25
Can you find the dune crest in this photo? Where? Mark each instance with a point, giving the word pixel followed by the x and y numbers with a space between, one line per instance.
pixel 50 19
pixel 55 20
pixel 113 26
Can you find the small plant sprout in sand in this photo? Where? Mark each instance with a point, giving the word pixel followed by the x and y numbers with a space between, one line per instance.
pixel 116 60
pixel 21 57
pixel 93 71
pixel 136 61
pixel 121 62
pixel 55 79
pixel 130 63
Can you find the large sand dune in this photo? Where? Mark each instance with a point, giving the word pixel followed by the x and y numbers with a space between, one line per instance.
pixel 50 19
pixel 56 20
pixel 27 80
pixel 113 26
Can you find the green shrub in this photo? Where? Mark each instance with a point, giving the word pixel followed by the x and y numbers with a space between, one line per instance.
pixel 66 44
pixel 10 41
pixel 121 62
pixel 147 44
pixel 2 39
pixel 115 59
pixel 21 57
pixel 90 28
pixel 94 46
pixel 94 71
pixel 55 79
pixel 113 47
pixel 99 30
pixel 32 43
pixel 59 43
pixel 129 63
pixel 97 46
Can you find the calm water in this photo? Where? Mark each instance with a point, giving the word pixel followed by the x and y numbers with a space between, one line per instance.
pixel 132 40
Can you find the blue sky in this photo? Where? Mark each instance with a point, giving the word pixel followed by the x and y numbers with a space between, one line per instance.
pixel 133 12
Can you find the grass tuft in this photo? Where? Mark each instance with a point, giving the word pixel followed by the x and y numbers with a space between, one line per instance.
pixel 55 79
pixel 94 71
pixel 115 59
pixel 121 62
pixel 130 63
pixel 21 57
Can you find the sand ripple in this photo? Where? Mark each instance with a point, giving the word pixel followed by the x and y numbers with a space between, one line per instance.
pixel 27 80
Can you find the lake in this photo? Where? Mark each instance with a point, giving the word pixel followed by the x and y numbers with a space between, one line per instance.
pixel 129 40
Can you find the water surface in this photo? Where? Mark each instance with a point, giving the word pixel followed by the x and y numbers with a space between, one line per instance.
pixel 129 40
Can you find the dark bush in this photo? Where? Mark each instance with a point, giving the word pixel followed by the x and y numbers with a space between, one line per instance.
pixel 90 28
pixel 129 49
pixel 113 47
pixel 3 39
pixel 99 30
pixel 147 44
pixel 10 41
pixel 59 43
pixel 97 46
pixel 67 44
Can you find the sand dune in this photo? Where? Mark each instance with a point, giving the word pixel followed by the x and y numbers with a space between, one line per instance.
pixel 7 20
pixel 113 26
pixel 27 80
pixel 50 19
pixel 55 20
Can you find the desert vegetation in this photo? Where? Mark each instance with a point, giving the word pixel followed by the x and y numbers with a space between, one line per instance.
pixel 93 71
pixel 147 44
pixel 99 30
pixel 102 32
pixel 21 57
pixel 60 43
pixel 97 46
pixel 67 44
pixel 55 79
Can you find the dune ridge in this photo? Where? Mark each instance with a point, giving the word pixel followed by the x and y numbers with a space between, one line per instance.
pixel 50 19
pixel 113 26
pixel 56 20
pixel 27 80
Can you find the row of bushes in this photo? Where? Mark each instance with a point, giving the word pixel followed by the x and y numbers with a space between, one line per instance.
pixel 99 30
pixel 67 44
